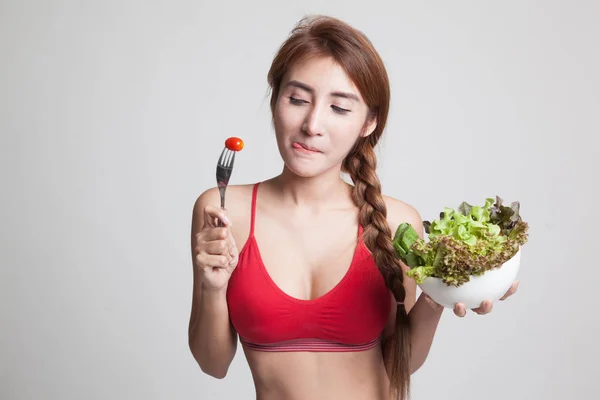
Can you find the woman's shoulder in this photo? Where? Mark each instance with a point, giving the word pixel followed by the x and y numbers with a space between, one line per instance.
pixel 399 212
pixel 238 199
pixel 238 206
pixel 234 194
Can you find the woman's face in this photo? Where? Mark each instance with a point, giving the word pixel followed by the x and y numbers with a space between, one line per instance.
pixel 318 117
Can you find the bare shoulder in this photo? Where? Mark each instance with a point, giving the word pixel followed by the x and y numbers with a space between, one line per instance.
pixel 235 197
pixel 400 212
pixel 238 205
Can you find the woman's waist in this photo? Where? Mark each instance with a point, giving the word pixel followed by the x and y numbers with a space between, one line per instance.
pixel 318 375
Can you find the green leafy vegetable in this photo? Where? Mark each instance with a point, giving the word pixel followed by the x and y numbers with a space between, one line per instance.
pixel 462 243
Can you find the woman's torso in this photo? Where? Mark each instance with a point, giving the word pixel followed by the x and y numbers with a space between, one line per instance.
pixel 316 376
pixel 296 265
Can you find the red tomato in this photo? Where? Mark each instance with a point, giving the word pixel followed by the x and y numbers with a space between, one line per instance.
pixel 234 143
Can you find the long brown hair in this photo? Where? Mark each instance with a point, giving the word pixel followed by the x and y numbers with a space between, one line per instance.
pixel 326 36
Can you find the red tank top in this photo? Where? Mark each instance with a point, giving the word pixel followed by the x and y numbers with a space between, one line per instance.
pixel 350 317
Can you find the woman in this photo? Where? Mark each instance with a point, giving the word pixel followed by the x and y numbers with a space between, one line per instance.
pixel 315 293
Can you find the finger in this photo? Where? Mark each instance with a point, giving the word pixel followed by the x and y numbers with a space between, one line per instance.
pixel 485 307
pixel 204 260
pixel 460 310
pixel 233 254
pixel 212 213
pixel 231 246
pixel 215 247
pixel 210 234
pixel 511 291
pixel 232 250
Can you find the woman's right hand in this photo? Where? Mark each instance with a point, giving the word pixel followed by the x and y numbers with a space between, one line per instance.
pixel 216 254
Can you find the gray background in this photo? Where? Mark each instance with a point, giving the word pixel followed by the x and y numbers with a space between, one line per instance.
pixel 112 115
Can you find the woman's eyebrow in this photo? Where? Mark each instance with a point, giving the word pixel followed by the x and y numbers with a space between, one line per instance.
pixel 346 95
pixel 305 87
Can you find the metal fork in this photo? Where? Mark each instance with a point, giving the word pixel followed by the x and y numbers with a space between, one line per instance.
pixel 224 169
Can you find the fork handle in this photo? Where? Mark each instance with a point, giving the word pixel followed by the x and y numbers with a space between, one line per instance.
pixel 222 193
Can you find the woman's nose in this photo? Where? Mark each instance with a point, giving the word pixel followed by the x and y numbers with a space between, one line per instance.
pixel 313 123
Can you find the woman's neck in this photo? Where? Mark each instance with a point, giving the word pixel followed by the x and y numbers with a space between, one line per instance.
pixel 323 191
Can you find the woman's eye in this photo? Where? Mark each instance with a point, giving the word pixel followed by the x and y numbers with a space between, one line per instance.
pixel 296 101
pixel 340 110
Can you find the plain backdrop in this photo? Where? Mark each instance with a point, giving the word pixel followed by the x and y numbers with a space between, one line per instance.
pixel 113 114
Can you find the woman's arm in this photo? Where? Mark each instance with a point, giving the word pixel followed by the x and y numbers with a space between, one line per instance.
pixel 212 339
pixel 424 318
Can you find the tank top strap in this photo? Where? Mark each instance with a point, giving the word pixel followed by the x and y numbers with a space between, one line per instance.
pixel 253 209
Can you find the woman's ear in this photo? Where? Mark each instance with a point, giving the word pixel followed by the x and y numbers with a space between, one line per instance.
pixel 371 125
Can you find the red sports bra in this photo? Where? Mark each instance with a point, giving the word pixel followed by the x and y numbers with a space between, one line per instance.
pixel 350 317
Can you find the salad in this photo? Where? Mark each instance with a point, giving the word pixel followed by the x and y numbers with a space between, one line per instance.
pixel 462 243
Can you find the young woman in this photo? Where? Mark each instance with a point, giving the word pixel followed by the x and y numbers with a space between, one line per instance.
pixel 304 270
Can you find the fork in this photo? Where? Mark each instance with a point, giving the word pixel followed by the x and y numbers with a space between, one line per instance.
pixel 224 169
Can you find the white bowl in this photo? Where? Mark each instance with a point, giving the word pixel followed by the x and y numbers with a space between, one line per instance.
pixel 492 285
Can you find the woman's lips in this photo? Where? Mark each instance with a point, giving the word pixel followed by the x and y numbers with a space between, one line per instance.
pixel 304 147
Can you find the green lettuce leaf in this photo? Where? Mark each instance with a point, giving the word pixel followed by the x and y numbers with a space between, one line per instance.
pixel 420 273
pixel 462 243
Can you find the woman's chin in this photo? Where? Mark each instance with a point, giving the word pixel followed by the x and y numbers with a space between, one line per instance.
pixel 304 170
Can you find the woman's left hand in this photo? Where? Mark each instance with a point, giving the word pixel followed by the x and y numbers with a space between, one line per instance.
pixel 460 310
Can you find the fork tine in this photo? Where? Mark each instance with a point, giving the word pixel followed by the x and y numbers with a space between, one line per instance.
pixel 227 158
pixel 231 160
pixel 222 156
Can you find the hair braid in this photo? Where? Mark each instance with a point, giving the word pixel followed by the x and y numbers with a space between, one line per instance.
pixel 361 164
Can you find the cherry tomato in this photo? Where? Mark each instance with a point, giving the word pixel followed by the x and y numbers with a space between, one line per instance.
pixel 234 143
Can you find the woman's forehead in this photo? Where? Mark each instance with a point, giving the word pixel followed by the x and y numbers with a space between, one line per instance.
pixel 322 74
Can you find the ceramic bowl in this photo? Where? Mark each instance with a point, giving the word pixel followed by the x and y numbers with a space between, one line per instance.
pixel 492 285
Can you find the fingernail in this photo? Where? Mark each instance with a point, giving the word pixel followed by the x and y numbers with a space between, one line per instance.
pixel 226 220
